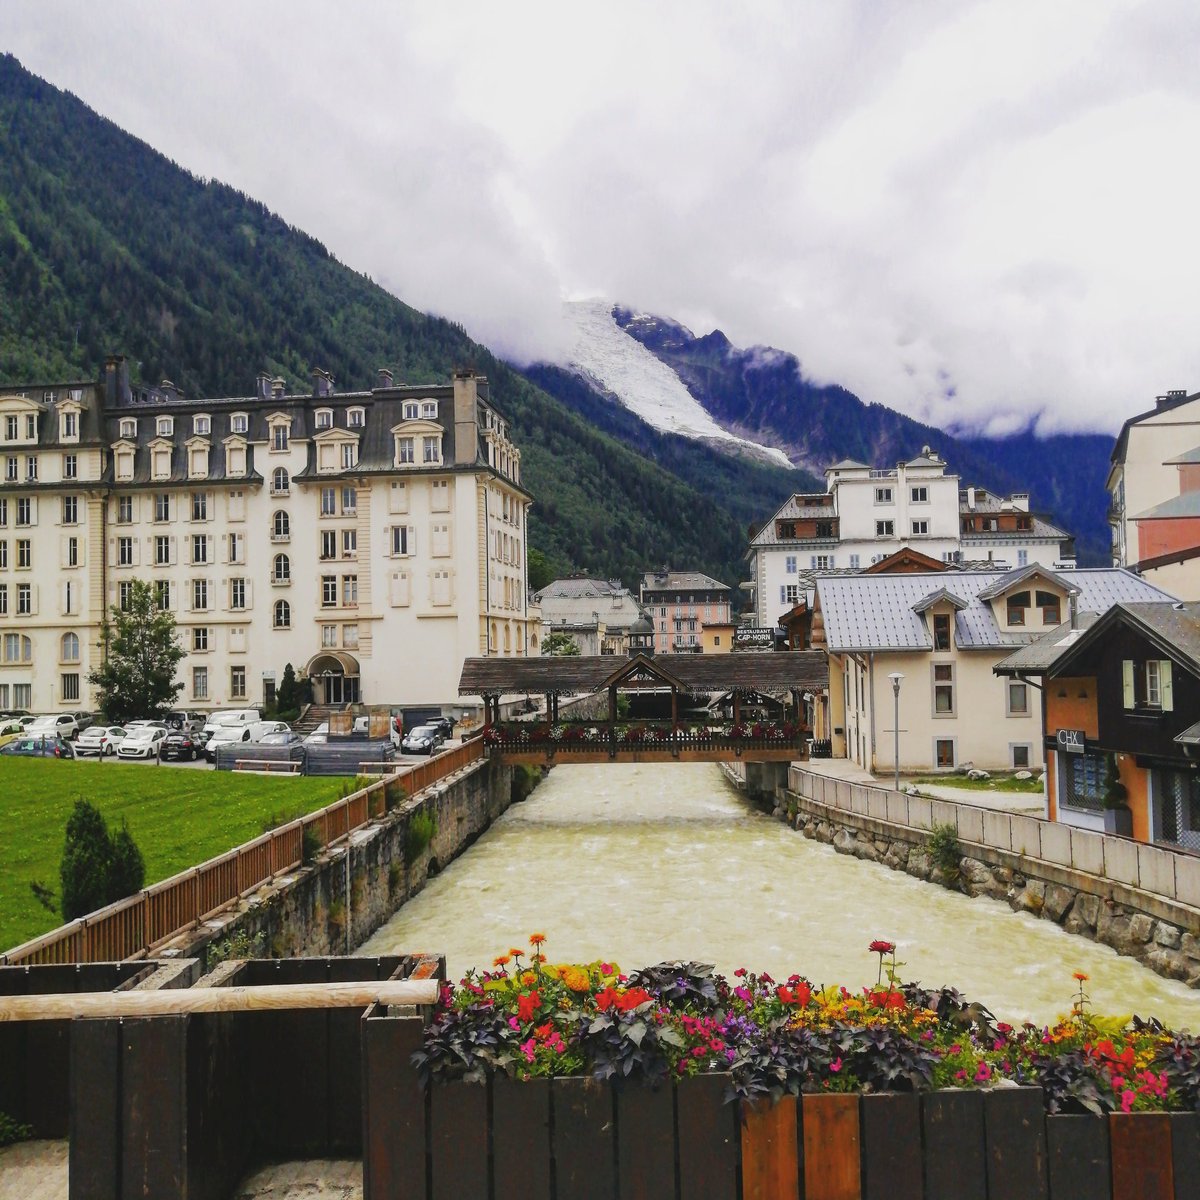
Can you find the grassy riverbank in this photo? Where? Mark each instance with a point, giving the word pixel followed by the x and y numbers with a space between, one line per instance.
pixel 997 783
pixel 178 817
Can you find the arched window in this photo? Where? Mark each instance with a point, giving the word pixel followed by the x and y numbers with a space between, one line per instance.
pixel 282 524
pixel 70 647
pixel 279 481
pixel 283 568
pixel 283 614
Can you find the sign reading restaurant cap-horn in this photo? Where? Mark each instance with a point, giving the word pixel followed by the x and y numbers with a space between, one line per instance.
pixel 1071 740
pixel 753 637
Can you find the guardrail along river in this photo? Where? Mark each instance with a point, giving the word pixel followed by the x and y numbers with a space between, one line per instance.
pixel 636 864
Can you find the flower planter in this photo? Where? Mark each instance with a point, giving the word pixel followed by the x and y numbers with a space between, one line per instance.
pixel 1118 821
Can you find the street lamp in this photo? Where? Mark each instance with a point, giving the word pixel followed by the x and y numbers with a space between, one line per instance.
pixel 895 677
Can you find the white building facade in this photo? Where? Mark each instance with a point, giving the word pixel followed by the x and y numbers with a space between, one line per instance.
pixel 866 514
pixel 372 539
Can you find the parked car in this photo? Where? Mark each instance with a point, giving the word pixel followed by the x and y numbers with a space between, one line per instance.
pixel 425 739
pixel 27 720
pixel 232 716
pixel 260 729
pixel 362 728
pixel 10 730
pixel 38 747
pixel 82 720
pixel 61 725
pixel 181 718
pixel 225 735
pixel 142 741
pixel 100 740
pixel 287 737
pixel 445 724
pixel 319 736
pixel 179 746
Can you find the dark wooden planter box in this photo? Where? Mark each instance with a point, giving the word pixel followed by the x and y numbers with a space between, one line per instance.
pixel 577 1139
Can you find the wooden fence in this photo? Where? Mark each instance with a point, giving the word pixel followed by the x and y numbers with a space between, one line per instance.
pixel 134 927
pixel 577 1138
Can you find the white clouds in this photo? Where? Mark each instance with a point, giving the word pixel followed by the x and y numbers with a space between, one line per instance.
pixel 972 212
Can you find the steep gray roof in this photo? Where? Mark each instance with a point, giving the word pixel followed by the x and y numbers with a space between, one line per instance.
pixel 1012 579
pixel 674 581
pixel 876 612
pixel 577 586
pixel 848 464
pixel 792 509
pixel 1186 459
pixel 1185 505
pixel 1041 653
pixel 936 597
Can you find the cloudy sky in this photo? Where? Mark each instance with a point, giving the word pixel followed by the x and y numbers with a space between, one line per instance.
pixel 977 213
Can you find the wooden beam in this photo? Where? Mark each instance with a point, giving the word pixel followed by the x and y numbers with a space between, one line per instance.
pixel 220 999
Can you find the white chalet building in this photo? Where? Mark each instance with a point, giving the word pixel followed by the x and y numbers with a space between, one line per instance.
pixel 373 539
pixel 864 515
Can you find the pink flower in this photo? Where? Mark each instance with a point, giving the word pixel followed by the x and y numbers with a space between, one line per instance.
pixel 983 1074
pixel 513 1023
pixel 743 995
pixel 527 1049
pixel 836 1065
pixel 1128 1096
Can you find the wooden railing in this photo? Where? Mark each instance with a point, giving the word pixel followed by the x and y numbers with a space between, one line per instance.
pixel 135 926
pixel 593 736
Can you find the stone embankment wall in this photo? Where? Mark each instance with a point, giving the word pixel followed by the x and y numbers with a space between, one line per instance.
pixel 1143 901
pixel 327 909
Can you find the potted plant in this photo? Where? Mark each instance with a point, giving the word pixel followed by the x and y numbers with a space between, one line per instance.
pixel 1118 818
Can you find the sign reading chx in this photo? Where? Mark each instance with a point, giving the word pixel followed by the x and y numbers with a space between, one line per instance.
pixel 1071 741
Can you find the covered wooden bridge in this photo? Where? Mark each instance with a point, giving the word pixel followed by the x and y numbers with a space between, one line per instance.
pixel 795 678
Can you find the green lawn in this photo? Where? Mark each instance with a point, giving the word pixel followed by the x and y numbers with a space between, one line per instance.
pixel 178 818
pixel 997 783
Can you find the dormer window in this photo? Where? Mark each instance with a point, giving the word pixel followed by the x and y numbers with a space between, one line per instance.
pixel 1018 603
pixel 30 427
pixel 324 418
pixel 412 410
pixel 349 455
pixel 280 435
pixel 165 426
pixel 235 461
pixel 12 428
pixel 238 423
pixel 160 465
pixel 1051 608
pixel 202 426
pixel 356 418
pixel 941 631
pixel 405 452
pixel 68 425
pixel 124 466
pixel 431 449
pixel 429 409
pixel 128 427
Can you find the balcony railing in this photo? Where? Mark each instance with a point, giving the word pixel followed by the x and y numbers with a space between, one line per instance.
pixel 567 739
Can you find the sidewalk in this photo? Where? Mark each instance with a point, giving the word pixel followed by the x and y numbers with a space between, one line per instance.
pixel 838 768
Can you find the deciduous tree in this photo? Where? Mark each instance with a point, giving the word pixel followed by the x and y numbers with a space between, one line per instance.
pixel 137 678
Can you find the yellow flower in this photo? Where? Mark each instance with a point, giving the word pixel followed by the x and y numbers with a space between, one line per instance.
pixel 576 978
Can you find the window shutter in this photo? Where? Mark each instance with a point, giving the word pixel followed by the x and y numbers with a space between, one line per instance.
pixel 137 550
pixel 412 540
pixel 64 590
pixel 33 505
pixel 64 543
pixel 211 543
pixel 33 600
pixel 1167 688
pixel 1127 682
pixel 173 554
pixel 249 593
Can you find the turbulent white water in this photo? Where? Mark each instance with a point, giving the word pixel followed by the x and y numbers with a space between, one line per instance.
pixel 644 863
pixel 620 364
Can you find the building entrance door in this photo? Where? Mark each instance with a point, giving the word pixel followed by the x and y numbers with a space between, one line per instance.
pixel 335 678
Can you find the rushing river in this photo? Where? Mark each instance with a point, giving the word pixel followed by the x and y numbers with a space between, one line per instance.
pixel 638 864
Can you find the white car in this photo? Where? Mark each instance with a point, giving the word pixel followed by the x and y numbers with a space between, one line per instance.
pixel 261 729
pixel 100 740
pixel 225 735
pixel 319 736
pixel 63 725
pixel 142 741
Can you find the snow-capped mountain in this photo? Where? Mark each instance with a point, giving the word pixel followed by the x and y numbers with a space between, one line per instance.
pixel 619 364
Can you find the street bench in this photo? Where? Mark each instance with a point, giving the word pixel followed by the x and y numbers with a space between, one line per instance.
pixel 267 765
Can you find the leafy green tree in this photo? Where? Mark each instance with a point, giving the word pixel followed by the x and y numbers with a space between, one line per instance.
pixel 287 698
pixel 137 678
pixel 97 868
pixel 560 644
pixel 541 574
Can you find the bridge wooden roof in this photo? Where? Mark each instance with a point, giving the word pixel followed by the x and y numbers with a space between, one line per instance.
pixel 806 670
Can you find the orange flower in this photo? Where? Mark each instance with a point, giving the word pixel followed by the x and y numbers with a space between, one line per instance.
pixel 1080 976
pixel 536 939
pixel 515 952
pixel 501 960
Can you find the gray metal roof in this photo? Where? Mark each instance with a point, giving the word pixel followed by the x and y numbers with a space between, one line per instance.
pixel 877 612
pixel 1185 505
pixel 674 581
pixel 1012 579
pixel 792 509
pixel 936 597
pixel 580 586
pixel 1040 654
pixel 1183 460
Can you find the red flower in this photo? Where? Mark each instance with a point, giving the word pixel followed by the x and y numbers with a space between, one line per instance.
pixel 632 998
pixel 528 1004
pixel 607 998
pixel 881 947
pixel 800 994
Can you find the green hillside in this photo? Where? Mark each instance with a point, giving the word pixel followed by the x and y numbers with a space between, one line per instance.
pixel 106 246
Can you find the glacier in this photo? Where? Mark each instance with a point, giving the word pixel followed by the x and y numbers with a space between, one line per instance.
pixel 605 354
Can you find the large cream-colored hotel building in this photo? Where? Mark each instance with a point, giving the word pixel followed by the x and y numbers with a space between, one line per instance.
pixel 373 539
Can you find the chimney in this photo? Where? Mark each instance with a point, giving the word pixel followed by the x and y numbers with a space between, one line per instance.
pixel 1169 398
pixel 1020 501
pixel 385 378
pixel 278 385
pixel 971 498
pixel 263 386
pixel 116 379
pixel 1073 608
pixel 322 382
pixel 466 416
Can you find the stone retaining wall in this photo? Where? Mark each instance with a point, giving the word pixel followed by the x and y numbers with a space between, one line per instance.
pixel 1159 931
pixel 323 910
